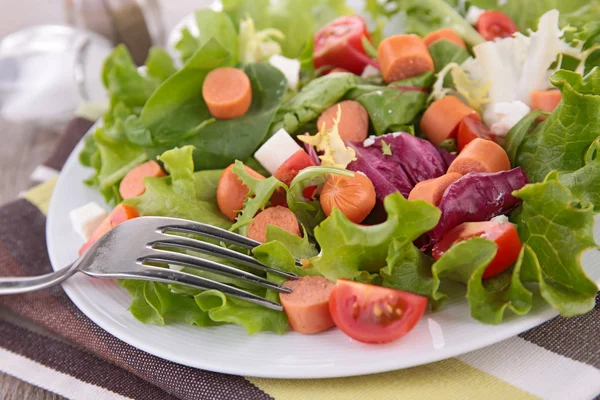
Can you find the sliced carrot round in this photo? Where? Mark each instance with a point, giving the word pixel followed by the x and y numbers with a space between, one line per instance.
pixel 445 33
pixel 440 121
pixel 227 92
pixel 132 184
pixel 403 56
pixel 231 192
pixel 545 100
pixel 354 121
pixel 277 216
pixel 480 155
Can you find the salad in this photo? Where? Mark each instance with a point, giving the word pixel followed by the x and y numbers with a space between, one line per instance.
pixel 420 149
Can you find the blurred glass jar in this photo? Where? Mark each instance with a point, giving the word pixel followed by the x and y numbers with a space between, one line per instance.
pixel 47 71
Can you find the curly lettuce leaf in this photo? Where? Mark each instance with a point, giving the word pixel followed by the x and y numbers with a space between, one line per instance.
pixel 565 140
pixel 558 230
pixel 309 212
pixel 348 248
pixel 182 194
pixel 259 194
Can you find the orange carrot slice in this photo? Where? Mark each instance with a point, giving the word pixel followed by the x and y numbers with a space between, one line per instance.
pixel 133 183
pixel 227 93
pixel 403 56
pixel 440 121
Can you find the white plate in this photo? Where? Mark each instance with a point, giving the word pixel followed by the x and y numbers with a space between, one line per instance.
pixel 229 349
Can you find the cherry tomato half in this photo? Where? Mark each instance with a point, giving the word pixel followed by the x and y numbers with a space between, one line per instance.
pixel 374 314
pixel 471 128
pixel 339 44
pixel 290 167
pixel 495 24
pixel 504 234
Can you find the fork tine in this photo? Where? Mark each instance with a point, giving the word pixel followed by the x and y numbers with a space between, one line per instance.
pixel 198 228
pixel 166 275
pixel 170 257
pixel 182 242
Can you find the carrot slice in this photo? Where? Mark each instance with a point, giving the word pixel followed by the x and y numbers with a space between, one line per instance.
pixel 354 122
pixel 278 216
pixel 403 56
pixel 118 215
pixel 432 190
pixel 307 307
pixel 440 121
pixel 545 100
pixel 445 33
pixel 227 92
pixel 133 183
pixel 480 155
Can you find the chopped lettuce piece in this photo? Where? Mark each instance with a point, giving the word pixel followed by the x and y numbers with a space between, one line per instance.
pixel 258 46
pixel 258 197
pixel 329 141
pixel 348 248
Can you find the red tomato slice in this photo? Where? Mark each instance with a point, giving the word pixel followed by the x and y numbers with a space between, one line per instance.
pixel 503 233
pixel 495 24
pixel 339 44
pixel 471 128
pixel 290 167
pixel 374 314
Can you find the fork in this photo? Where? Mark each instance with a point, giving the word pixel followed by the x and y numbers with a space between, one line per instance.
pixel 142 247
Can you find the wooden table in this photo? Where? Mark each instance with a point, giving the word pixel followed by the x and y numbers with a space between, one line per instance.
pixel 23 148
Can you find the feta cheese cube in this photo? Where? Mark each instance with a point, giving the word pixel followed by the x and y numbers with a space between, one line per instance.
pixel 86 219
pixel 473 14
pixel 276 151
pixel 502 116
pixel 369 72
pixel 289 67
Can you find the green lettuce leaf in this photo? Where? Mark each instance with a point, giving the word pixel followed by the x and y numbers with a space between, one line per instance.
pixel 393 107
pixel 517 133
pixel 348 248
pixel 558 231
pixel 565 140
pixel 309 212
pixel 444 52
pixel 258 197
pixel 182 194
pixel 312 100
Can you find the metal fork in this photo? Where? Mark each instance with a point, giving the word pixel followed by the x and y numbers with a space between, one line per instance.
pixel 136 248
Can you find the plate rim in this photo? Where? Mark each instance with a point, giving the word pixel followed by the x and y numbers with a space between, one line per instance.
pixel 301 372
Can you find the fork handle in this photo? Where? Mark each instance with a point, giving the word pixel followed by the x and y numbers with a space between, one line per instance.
pixel 16 285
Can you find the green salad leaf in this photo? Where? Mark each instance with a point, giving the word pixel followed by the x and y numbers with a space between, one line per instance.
pixel 517 133
pixel 348 248
pixel 211 25
pixel 218 143
pixel 182 194
pixel 558 231
pixel 259 195
pixel 444 52
pixel 565 140
pixel 312 100
pixel 393 107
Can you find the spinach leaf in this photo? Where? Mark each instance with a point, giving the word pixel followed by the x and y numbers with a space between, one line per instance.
pixel 394 106
pixel 444 52
pixel 312 100
pixel 517 134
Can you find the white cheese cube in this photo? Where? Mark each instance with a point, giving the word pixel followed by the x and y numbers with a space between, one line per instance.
pixel 473 14
pixel 289 67
pixel 500 219
pixel 369 72
pixel 276 151
pixel 502 116
pixel 86 219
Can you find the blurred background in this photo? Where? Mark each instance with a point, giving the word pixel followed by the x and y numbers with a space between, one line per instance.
pixel 51 54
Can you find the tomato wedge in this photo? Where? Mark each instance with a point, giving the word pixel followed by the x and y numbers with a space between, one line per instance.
pixel 374 314
pixel 495 24
pixel 471 128
pixel 290 167
pixel 339 44
pixel 503 233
